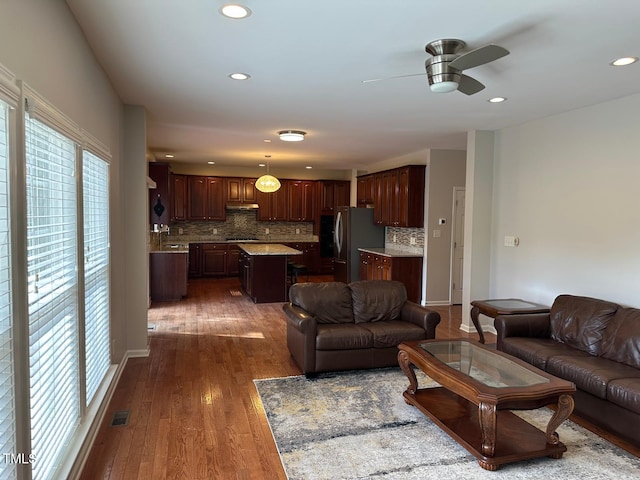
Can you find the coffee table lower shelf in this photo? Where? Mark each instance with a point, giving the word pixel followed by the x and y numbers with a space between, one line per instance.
pixel 516 440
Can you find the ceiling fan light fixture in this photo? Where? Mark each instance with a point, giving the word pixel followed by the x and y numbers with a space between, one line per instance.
pixel 444 87
pixel 291 135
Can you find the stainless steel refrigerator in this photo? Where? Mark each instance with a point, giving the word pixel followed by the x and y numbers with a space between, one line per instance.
pixel 354 228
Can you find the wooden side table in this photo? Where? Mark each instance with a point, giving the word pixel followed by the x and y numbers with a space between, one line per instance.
pixel 502 306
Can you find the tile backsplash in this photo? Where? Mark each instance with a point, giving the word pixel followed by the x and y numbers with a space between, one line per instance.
pixel 405 239
pixel 240 224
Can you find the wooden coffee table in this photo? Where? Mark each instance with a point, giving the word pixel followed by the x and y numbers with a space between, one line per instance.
pixel 479 387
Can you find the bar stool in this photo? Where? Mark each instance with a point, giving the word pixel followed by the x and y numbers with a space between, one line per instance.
pixel 295 270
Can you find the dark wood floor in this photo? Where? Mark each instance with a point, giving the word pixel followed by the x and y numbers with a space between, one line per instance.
pixel 194 410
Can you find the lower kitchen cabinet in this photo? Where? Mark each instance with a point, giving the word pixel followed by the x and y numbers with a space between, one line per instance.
pixel 310 255
pixel 167 276
pixel 214 259
pixel 405 269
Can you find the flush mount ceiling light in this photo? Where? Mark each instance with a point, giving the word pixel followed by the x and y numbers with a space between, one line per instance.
pixel 267 183
pixel 292 135
pixel 235 11
pixel 621 62
pixel 239 76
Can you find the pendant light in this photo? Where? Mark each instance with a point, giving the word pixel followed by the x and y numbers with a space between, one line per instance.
pixel 268 183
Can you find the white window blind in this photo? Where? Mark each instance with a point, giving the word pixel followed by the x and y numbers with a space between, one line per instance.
pixel 95 184
pixel 52 293
pixel 7 386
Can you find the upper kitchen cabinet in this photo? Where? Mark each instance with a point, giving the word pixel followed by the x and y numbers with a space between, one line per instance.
pixel 274 206
pixel 241 190
pixel 366 191
pixel 301 200
pixel 333 194
pixel 159 204
pixel 399 197
pixel 206 198
pixel 178 194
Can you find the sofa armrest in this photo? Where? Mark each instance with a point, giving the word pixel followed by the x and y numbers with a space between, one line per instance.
pixel 533 325
pixel 300 319
pixel 421 316
pixel 301 337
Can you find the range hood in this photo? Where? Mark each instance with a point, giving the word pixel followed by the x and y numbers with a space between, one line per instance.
pixel 242 206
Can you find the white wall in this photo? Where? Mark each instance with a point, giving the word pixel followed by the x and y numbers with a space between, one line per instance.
pixel 446 170
pixel 41 43
pixel 569 187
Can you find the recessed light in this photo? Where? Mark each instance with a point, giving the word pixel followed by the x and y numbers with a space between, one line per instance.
pixel 266 140
pixel 235 11
pixel 621 62
pixel 239 76
pixel 211 163
pixel 308 167
pixel 261 165
pixel 168 155
pixel 497 100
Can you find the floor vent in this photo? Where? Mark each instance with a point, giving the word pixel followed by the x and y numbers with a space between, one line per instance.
pixel 151 326
pixel 120 418
pixel 235 292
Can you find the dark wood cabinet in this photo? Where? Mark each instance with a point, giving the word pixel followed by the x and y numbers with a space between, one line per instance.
pixel 333 194
pixel 398 196
pixel 366 191
pixel 241 190
pixel 301 200
pixel 214 259
pixel 167 276
pixel 274 206
pixel 310 255
pixel 233 260
pixel 205 198
pixel 178 197
pixel 407 270
pixel 195 260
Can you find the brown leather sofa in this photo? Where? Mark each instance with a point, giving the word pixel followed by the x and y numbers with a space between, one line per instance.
pixel 592 343
pixel 334 326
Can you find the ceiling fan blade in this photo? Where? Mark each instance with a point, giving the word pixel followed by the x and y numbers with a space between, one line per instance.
pixel 468 85
pixel 479 56
pixel 391 78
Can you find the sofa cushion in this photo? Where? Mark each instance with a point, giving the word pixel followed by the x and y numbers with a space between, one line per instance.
pixel 343 336
pixel 328 302
pixel 625 392
pixel 393 333
pixel 377 300
pixel 621 339
pixel 591 374
pixel 580 321
pixel 537 351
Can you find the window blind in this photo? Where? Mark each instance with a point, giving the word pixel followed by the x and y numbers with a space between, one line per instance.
pixel 95 184
pixel 7 386
pixel 52 293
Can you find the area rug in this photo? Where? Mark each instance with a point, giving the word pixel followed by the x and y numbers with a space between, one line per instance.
pixel 356 425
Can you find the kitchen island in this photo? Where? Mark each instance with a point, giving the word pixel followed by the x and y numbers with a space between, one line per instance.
pixel 263 271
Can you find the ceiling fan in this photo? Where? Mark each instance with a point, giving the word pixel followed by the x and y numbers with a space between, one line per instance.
pixel 444 69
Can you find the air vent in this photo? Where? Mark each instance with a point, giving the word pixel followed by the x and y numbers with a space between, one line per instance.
pixel 120 418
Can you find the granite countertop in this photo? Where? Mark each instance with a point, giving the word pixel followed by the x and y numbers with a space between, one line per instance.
pixel 391 252
pixel 268 249
pixel 171 248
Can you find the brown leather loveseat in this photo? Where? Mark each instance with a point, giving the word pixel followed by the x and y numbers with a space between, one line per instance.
pixel 337 326
pixel 592 343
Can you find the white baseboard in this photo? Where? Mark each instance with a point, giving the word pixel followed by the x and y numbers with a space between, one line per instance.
pixel 88 430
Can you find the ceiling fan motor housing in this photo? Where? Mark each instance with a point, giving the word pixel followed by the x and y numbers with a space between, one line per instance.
pixel 444 51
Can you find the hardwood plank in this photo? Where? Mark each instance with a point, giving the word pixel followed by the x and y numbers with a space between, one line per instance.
pixel 195 412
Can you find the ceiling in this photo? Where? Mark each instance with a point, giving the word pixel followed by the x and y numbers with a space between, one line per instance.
pixel 307 60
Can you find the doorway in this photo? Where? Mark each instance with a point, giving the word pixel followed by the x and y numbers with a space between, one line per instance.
pixel 457 245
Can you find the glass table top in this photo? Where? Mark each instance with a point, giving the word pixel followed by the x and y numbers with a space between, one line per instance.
pixel 511 304
pixel 483 365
